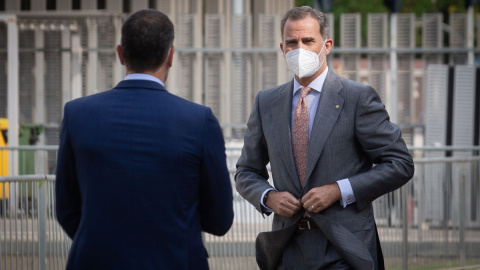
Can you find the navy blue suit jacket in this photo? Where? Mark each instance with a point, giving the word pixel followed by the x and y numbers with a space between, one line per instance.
pixel 140 174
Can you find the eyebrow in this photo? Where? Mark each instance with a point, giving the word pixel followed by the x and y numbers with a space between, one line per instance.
pixel 305 39
pixel 308 39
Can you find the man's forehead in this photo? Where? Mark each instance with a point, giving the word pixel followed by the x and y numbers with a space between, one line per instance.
pixel 307 24
pixel 297 34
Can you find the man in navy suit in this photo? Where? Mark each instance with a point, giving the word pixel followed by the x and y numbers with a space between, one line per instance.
pixel 141 172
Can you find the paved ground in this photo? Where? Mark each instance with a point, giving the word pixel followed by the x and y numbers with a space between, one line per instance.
pixel 245 263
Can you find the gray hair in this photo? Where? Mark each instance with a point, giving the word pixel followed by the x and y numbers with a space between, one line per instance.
pixel 298 13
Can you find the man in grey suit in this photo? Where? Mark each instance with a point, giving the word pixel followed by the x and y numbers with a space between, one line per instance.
pixel 321 196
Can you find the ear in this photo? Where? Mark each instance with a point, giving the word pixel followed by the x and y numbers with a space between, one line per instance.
pixel 328 46
pixel 281 48
pixel 170 57
pixel 119 53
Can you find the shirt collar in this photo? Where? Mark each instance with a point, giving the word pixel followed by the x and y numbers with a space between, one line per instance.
pixel 316 84
pixel 142 76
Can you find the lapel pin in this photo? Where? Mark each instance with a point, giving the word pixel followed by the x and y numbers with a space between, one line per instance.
pixel 336 106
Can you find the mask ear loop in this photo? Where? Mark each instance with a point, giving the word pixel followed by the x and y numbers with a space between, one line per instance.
pixel 320 65
pixel 322 48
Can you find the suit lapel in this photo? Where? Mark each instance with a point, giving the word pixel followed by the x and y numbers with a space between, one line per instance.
pixel 283 129
pixel 329 108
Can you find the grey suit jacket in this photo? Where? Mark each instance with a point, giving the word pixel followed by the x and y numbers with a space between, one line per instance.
pixel 351 133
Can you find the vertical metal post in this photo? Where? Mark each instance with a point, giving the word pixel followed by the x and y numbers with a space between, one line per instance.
pixel 66 62
pixel 404 192
pixel 470 35
pixel 92 73
pixel 393 68
pixel 462 213
pixel 446 204
pixel 119 70
pixel 42 226
pixel 13 102
pixel 198 62
pixel 40 156
pixel 238 7
pixel 420 194
pixel 76 83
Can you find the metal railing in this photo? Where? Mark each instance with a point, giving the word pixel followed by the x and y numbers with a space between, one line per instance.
pixel 433 222
pixel 30 236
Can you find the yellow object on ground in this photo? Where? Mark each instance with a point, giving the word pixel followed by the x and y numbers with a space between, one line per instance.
pixel 3 157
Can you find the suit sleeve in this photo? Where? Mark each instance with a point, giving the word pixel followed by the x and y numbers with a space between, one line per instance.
pixel 382 141
pixel 67 192
pixel 252 174
pixel 216 197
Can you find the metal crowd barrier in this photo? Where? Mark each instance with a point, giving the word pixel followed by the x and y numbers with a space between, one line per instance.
pixel 30 236
pixel 433 222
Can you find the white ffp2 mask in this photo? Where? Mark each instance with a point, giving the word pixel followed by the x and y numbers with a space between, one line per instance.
pixel 304 63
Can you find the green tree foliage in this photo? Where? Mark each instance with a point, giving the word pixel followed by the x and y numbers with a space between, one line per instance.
pixel 370 6
pixel 364 7
pixel 430 6
pixel 299 3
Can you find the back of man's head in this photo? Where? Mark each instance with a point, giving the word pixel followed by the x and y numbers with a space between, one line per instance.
pixel 147 36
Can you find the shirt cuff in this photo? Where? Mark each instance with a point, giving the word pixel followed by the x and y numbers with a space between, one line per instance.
pixel 347 192
pixel 267 210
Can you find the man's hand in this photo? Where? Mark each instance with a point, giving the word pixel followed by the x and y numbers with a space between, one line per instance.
pixel 319 198
pixel 283 203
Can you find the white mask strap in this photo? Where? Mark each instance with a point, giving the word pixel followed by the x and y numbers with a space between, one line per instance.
pixel 322 47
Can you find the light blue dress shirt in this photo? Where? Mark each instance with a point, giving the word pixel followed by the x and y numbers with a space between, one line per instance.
pixel 142 76
pixel 312 101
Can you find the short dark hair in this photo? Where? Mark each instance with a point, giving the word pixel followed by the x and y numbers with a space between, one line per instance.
pixel 298 13
pixel 147 35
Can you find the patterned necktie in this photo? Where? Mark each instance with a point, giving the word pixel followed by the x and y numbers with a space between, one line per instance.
pixel 300 135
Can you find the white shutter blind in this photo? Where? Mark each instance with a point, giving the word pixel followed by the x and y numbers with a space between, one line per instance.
pixel 350 29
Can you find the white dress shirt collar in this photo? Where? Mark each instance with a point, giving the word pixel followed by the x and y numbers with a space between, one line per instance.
pixel 316 84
